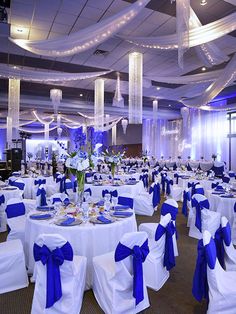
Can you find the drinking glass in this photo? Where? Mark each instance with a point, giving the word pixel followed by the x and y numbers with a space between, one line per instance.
pixel 107 197
pixel 107 206
pixel 86 196
pixel 114 201
pixel 85 208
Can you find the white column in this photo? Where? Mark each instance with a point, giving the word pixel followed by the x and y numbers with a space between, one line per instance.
pixel 99 105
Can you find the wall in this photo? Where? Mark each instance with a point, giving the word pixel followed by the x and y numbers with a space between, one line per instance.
pixel 2 144
pixel 133 135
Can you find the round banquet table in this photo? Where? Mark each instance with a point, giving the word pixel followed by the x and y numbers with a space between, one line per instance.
pixel 205 183
pixel 222 205
pixel 30 191
pixel 10 192
pixel 132 190
pixel 87 239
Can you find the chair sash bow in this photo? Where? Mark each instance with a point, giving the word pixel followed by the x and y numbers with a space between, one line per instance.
pixel 53 260
pixel 2 199
pixel 39 181
pixel 186 198
pixel 169 230
pixel 155 191
pixel 168 184
pixel 139 254
pixel 199 206
pixel 112 193
pixel 42 194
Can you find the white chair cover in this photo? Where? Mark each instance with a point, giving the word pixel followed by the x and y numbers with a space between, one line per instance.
pixel 13 273
pixel 221 283
pixel 176 192
pixel 154 272
pixel 72 280
pixel 210 220
pixel 230 252
pixel 143 203
pixel 113 281
pixel 16 223
pixel 69 189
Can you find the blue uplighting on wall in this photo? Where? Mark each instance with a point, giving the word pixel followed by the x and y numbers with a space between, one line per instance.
pixel 2 143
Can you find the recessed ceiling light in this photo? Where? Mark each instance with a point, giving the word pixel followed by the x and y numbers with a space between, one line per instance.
pixel 203 69
pixel 203 2
pixel 169 105
pixel 19 30
pixel 158 88
pixel 81 95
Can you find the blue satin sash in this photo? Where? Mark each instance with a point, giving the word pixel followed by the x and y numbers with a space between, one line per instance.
pixel 169 256
pixel 139 255
pixel 53 260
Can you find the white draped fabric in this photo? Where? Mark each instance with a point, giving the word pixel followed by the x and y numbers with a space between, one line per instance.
pixel 25 74
pixel 182 27
pixel 201 135
pixel 84 39
pixel 226 77
pixel 197 36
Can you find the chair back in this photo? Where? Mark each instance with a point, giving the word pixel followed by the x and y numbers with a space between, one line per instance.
pixel 53 256
pixel 170 206
pixel 41 196
pixel 155 190
pixel 199 189
pixel 199 202
pixel 57 197
pixel 15 207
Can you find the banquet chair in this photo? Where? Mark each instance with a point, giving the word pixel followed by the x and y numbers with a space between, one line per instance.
pixel 199 189
pixel 3 220
pixel 218 168
pixel 170 206
pixel 221 283
pixel 59 280
pixel 202 218
pixel 13 275
pixel 68 189
pixel 41 196
pixel 145 204
pixel 229 254
pixel 144 179
pixel 232 175
pixel 58 198
pixel 119 286
pixel 60 183
pixel 11 179
pixel 15 212
pixel 20 185
pixel 186 203
pixel 156 263
pixel 173 190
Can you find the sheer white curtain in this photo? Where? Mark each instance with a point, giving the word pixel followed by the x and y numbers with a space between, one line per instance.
pixel 208 134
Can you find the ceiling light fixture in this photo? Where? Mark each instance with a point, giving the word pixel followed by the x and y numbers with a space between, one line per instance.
pixel 203 69
pixel 19 30
pixel 203 2
pixel 158 88
pixel 81 95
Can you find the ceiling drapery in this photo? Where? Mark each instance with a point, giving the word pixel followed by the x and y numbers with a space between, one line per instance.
pixel 25 74
pixel 197 36
pixel 227 76
pixel 84 39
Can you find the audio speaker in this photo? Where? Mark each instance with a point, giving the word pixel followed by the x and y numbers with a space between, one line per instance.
pixel 5 3
pixel 14 157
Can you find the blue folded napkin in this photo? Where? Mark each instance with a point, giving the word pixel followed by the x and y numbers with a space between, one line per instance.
pixel 126 214
pixel 227 196
pixel 45 208
pixel 104 219
pixel 67 222
pixel 45 216
pixel 119 207
pixel 218 193
pixel 100 203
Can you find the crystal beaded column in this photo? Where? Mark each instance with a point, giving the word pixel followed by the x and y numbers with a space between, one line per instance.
pixel 56 97
pixel 154 127
pixel 99 105
pixel 113 135
pixel 14 104
pixel 135 87
pixel 9 132
pixel 118 100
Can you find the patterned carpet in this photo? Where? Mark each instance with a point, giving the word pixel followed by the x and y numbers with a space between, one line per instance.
pixel 174 297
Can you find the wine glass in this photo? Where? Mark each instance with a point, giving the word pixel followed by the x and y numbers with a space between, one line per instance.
pixel 114 201
pixel 85 208
pixel 107 197
pixel 107 206
pixel 86 196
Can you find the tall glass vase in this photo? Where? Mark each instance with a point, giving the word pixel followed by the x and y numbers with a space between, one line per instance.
pixel 80 181
pixel 113 167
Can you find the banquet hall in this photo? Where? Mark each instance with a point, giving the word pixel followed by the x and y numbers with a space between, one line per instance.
pixel 117 156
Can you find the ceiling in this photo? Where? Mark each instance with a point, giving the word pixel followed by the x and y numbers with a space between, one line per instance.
pixel 43 19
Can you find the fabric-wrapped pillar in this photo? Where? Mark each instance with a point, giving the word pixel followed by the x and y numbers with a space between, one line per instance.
pixel 99 105
pixel 14 105
pixel 135 87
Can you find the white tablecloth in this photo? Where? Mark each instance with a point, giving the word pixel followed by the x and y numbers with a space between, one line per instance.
pixel 86 239
pixel 8 194
pixel 205 183
pixel 132 190
pixel 222 205
pixel 30 191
